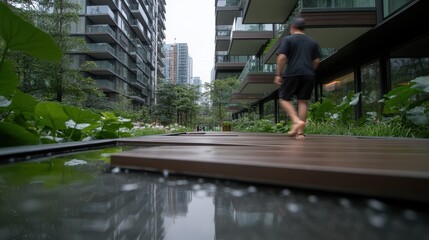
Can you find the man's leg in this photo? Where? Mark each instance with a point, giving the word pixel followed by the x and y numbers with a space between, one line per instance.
pixel 303 110
pixel 298 124
pixel 302 114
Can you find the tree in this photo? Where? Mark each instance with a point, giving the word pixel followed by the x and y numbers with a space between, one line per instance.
pixel 55 81
pixel 176 104
pixel 220 91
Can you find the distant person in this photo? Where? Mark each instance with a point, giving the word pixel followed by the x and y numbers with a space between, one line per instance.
pixel 300 55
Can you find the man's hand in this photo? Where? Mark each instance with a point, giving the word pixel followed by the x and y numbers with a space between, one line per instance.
pixel 278 80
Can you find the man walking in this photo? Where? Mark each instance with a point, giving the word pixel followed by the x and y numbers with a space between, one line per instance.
pixel 302 56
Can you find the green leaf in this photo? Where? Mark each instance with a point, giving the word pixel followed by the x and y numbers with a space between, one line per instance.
pixel 8 79
pixel 24 36
pixel 14 135
pixel 421 83
pixel 52 115
pixel 398 99
pixel 81 116
pixel 24 104
pixel 418 115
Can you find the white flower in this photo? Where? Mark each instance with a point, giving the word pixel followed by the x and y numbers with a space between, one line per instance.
pixel 4 102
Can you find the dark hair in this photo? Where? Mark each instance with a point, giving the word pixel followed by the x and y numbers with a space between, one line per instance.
pixel 298 23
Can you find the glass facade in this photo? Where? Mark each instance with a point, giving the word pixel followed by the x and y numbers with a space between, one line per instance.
pixel 338 3
pixel 371 89
pixel 340 87
pixel 391 6
pixel 239 26
pixel 228 3
pixel 404 70
pixel 269 110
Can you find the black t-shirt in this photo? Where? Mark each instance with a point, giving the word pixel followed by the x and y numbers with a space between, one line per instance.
pixel 300 51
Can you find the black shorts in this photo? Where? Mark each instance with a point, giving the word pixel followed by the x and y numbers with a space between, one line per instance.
pixel 299 86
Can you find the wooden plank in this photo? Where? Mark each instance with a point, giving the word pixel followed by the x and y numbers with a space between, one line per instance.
pixel 396 168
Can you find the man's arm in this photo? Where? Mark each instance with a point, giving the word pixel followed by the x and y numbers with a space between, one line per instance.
pixel 281 63
pixel 316 63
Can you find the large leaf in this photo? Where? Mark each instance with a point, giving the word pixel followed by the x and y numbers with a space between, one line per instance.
pixel 14 135
pixel 418 115
pixel 421 83
pixel 24 104
pixel 81 116
pixel 8 79
pixel 52 115
pixel 397 99
pixel 23 36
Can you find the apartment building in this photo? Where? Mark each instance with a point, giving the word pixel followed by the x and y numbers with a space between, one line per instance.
pixel 178 64
pixel 125 39
pixel 368 46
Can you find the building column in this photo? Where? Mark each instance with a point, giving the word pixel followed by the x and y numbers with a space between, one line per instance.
pixel 261 109
pixel 358 88
pixel 276 106
pixel 379 10
pixel 385 75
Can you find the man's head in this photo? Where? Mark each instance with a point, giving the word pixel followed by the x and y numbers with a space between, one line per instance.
pixel 298 23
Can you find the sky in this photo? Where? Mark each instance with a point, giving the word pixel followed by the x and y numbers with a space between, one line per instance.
pixel 193 22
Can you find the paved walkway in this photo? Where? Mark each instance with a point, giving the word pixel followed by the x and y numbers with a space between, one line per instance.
pixel 383 167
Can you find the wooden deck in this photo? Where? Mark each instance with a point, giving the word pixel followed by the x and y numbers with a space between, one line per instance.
pixel 381 167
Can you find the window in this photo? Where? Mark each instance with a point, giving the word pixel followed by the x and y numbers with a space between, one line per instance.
pixel 391 6
pixel 404 70
pixel 371 90
pixel 340 87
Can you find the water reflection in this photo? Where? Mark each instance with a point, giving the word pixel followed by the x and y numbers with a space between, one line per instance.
pixel 50 200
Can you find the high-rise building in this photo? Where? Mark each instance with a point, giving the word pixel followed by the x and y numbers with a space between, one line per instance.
pixel 124 38
pixel 368 47
pixel 178 63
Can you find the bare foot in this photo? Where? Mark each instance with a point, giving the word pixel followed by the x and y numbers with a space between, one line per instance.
pixel 295 128
pixel 300 136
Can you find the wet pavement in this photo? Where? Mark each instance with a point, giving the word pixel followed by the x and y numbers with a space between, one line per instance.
pixel 79 197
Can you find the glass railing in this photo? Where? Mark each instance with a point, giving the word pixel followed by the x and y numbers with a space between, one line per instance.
pixel 228 3
pixel 256 65
pixel 223 33
pixel 135 22
pixel 100 10
pixel 104 65
pixel 338 4
pixel 137 7
pixel 101 47
pixel 101 28
pixel 231 59
pixel 104 83
pixel 239 26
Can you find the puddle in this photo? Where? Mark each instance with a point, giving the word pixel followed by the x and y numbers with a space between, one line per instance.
pixel 79 197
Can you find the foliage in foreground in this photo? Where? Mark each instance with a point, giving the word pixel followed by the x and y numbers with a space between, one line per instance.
pixel 27 121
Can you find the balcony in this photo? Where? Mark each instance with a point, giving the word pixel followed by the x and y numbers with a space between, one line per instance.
pixel 103 68
pixel 230 63
pixel 257 78
pixel 227 11
pixel 100 33
pixel 346 24
pixel 140 30
pixel 247 39
pixel 261 11
pixel 101 50
pixel 138 50
pixel 138 99
pixel 139 13
pixel 100 14
pixel 105 85
pixel 137 82
pixel 113 4
pixel 223 36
